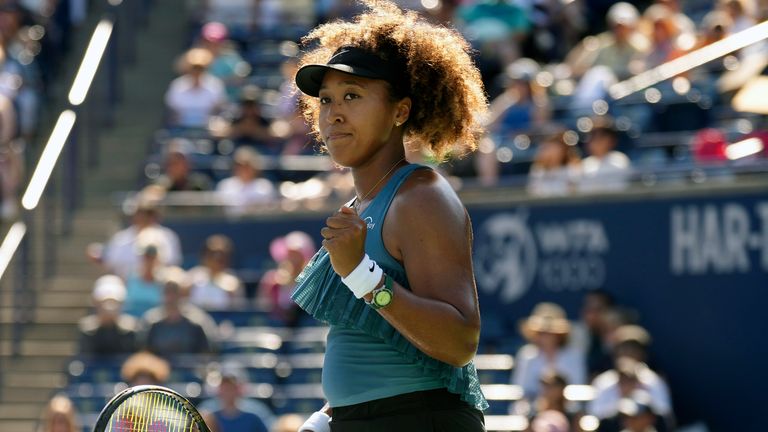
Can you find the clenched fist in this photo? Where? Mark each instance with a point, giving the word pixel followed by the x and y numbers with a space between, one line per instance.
pixel 344 239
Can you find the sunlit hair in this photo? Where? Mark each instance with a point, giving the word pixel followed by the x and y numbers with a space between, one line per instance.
pixel 445 87
pixel 59 406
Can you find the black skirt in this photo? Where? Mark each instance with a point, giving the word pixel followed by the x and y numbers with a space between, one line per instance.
pixel 423 411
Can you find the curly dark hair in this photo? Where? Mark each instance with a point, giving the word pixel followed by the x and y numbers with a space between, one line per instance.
pixel 448 100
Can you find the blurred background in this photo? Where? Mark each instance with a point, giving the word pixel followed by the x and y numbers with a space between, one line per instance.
pixel 159 193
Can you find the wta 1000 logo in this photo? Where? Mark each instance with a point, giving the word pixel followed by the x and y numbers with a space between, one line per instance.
pixel 511 255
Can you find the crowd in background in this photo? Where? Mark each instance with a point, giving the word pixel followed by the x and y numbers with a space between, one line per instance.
pixel 232 126
pixel 34 38
pixel 549 69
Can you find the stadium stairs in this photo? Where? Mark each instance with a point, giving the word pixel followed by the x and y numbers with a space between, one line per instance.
pixel 49 339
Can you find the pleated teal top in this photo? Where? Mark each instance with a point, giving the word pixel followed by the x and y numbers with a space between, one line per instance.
pixel 366 358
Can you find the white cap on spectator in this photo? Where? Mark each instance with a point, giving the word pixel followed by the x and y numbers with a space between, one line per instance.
pixel 623 13
pixel 109 287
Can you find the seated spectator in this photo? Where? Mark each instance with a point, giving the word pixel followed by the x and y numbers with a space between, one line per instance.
pixel 176 327
pixel 108 331
pixel 620 49
pixel 59 415
pixel 291 253
pixel 636 413
pixel 248 125
pixel 664 34
pixel 592 333
pixel 144 287
pixel 145 368
pixel 605 169
pixel 246 188
pixel 629 373
pixel 120 255
pixel 232 411
pixel 550 421
pixel 214 285
pixel 556 169
pixel 522 105
pixel 494 26
pixel 178 174
pixel 227 64
pixel 196 95
pixel 547 330
pixel 551 397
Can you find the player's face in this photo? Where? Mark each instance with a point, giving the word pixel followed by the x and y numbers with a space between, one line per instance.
pixel 357 117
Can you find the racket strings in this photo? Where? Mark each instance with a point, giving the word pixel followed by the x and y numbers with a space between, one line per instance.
pixel 151 412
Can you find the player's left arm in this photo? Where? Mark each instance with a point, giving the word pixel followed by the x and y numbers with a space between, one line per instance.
pixel 429 231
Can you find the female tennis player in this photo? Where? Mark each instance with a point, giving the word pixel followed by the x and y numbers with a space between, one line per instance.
pixel 394 278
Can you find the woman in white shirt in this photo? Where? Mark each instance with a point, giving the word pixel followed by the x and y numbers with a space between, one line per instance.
pixel 246 187
pixel 547 331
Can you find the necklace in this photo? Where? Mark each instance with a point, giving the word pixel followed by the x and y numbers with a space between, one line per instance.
pixel 358 201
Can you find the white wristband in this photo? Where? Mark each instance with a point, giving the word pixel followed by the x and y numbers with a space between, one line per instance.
pixel 364 278
pixel 317 422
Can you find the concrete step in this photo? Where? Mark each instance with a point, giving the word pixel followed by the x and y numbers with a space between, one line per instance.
pixel 41 348
pixel 25 394
pixel 17 425
pixel 68 282
pixel 37 379
pixel 51 332
pixel 20 411
pixel 50 299
pixel 37 363
pixel 45 315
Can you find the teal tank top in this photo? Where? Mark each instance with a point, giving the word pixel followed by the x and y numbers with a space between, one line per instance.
pixel 366 358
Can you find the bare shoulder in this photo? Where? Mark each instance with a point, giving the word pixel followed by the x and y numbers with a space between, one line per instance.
pixel 427 195
pixel 426 208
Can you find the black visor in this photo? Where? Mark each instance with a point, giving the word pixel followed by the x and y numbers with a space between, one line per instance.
pixel 352 60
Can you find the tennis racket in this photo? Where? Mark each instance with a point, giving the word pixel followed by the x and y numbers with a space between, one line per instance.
pixel 149 408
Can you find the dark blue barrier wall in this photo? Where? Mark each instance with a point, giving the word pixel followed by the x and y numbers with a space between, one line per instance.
pixel 695 268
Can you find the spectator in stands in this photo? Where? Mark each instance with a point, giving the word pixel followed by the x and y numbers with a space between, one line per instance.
pixel 144 287
pixel 523 105
pixel 177 327
pixel 665 36
pixel 232 410
pixel 179 175
pixel 605 169
pixel 196 95
pixel 145 368
pixel 496 27
pixel 547 331
pixel 246 189
pixel 227 64
pixel 620 49
pixel 550 421
pixel 108 331
pixel 637 413
pixel 290 126
pixel 120 255
pixel 59 415
pixel 592 333
pixel 556 168
pixel 291 253
pixel 21 75
pixel 287 423
pixel 630 373
pixel 249 126
pixel 551 397
pixel 214 284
